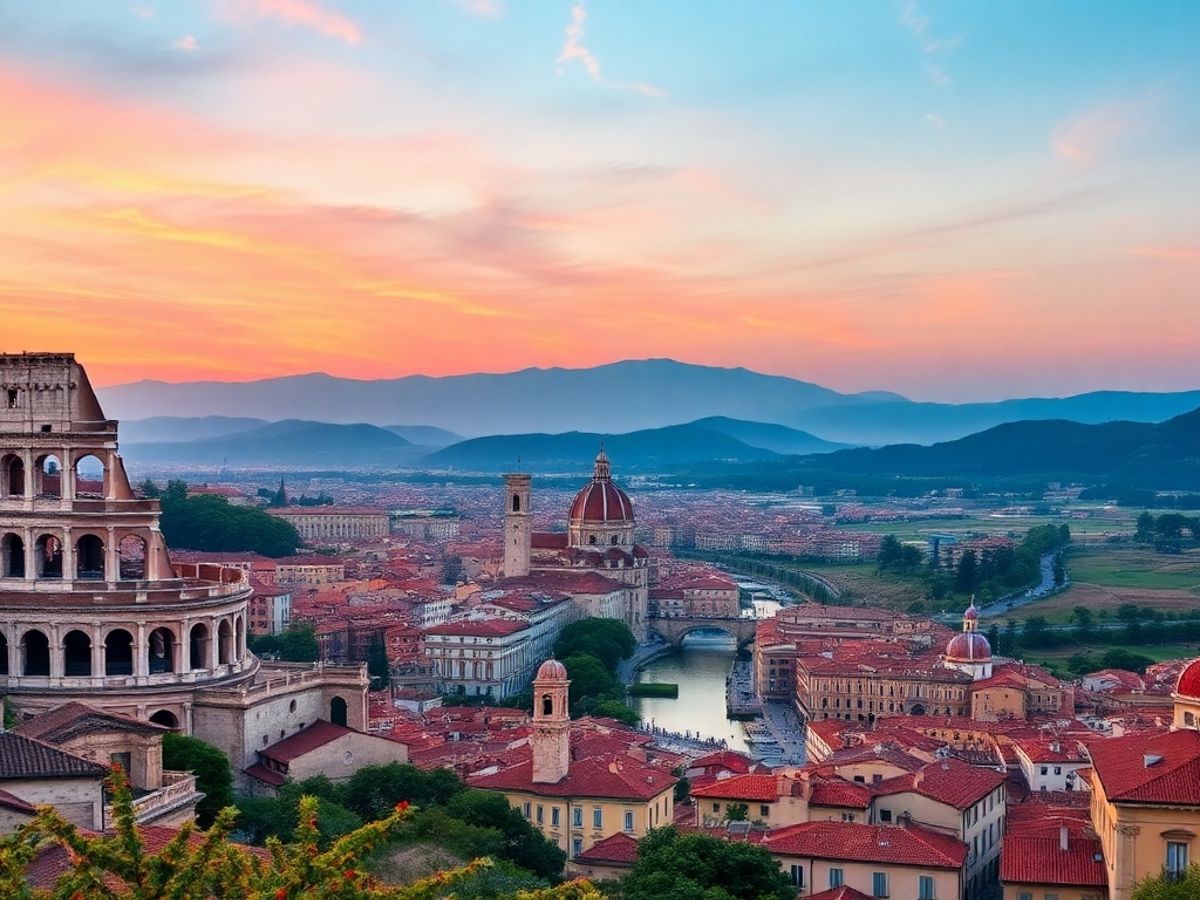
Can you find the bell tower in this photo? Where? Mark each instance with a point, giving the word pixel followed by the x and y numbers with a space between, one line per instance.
pixel 517 524
pixel 550 739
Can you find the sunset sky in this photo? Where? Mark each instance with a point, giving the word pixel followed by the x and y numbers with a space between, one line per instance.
pixel 951 200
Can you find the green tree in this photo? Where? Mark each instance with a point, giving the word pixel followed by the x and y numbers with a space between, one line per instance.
pixel 1037 634
pixel 591 683
pixel 373 790
pixel 207 522
pixel 1169 887
pixel 298 643
pixel 1059 570
pixel 1146 528
pixel 889 551
pixel 702 867
pixel 378 666
pixel 737 812
pixel 523 844
pixel 182 753
pixel 452 569
pixel 617 709
pixel 966 579
pixel 609 640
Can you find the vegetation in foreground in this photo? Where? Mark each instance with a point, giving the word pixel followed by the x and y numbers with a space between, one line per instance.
pixel 206 522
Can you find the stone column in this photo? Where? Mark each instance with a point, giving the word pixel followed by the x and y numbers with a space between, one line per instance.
pixel 112 556
pixel 213 641
pixel 68 556
pixel 109 479
pixel 30 555
pixel 56 652
pixel 27 459
pixel 177 665
pixel 1125 869
pixel 141 660
pixel 66 478
pixel 97 654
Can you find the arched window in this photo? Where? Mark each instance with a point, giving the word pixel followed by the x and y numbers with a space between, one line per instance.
pixel 12 556
pixel 224 642
pixel 160 651
pixel 49 557
pixel 35 653
pixel 3 653
pixel 547 705
pixel 198 646
pixel 337 711
pixel 516 504
pixel 90 477
pixel 12 476
pixel 132 550
pixel 89 558
pixel 166 719
pixel 591 539
pixel 614 540
pixel 118 652
pixel 77 654
pixel 47 477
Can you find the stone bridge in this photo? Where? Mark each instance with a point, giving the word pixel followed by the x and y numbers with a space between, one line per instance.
pixel 675 628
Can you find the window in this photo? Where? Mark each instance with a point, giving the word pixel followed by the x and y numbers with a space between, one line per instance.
pixel 526 808
pixel 879 884
pixel 1177 859
pixel 835 878
pixel 14 398
pixel 716 807
pixel 1024 895
pixel 628 820
pixel 554 816
pixel 925 888
pixel 797 878
pixel 597 817
pixel 764 811
pixel 1053 896
pixel 885 815
pixel 577 816
pixel 577 848
pixel 540 814
pixel 1058 770
pixel 1045 770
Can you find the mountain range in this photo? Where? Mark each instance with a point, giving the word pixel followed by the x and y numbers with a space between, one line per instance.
pixel 620 397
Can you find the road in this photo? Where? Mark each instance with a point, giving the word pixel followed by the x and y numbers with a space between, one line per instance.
pixel 1045 586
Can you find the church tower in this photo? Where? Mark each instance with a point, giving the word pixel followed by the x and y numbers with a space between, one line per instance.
pixel 550 740
pixel 517 525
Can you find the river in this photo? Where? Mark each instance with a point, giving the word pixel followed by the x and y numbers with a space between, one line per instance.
pixel 699 669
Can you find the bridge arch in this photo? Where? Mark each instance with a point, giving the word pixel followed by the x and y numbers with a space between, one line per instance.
pixel 675 629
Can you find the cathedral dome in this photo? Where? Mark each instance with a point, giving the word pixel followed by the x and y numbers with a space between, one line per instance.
pixel 551 669
pixel 970 646
pixel 1189 681
pixel 600 501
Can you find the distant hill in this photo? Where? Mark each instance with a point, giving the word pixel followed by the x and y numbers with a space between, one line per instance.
pixel 1136 454
pixel 425 435
pixel 776 438
pixel 183 428
pixel 634 395
pixel 575 450
pixel 291 442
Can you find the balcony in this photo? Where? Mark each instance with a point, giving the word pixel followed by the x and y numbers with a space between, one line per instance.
pixel 178 791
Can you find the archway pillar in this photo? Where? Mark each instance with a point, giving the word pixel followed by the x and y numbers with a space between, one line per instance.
pixel 97 654
pixel 141 660
pixel 30 556
pixel 68 556
pixel 57 652
pixel 27 459
pixel 112 556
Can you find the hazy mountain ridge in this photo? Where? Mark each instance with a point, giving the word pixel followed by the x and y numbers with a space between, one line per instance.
pixel 623 397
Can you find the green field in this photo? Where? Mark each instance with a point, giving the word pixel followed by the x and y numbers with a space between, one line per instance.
pixel 1057 658
pixel 1137 568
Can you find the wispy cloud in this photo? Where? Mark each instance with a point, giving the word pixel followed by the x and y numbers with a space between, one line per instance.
pixel 574 50
pixel 1084 137
pixel 305 13
pixel 186 43
pixel 484 9
pixel 932 48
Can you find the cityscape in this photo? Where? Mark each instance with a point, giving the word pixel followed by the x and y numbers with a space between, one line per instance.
pixel 435 463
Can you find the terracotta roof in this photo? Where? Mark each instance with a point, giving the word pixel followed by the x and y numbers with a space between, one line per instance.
pixel 759 788
pixel 618 850
pixel 1040 860
pixel 74 719
pixel 839 792
pixel 23 757
pixel 15 803
pixel 970 646
pixel 267 776
pixel 738 763
pixel 318 734
pixel 951 781
pixel 478 628
pixel 845 892
pixel 546 540
pixel 1188 684
pixel 1161 768
pixel 601 501
pixel 618 778
pixel 851 841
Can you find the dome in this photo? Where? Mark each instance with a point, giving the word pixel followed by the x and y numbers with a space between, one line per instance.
pixel 970 646
pixel 1189 681
pixel 972 612
pixel 551 669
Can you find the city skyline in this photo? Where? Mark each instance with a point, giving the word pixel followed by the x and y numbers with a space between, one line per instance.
pixel 954 203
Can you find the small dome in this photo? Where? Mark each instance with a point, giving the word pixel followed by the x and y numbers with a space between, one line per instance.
pixel 1189 681
pixel 552 669
pixel 972 612
pixel 601 501
pixel 970 646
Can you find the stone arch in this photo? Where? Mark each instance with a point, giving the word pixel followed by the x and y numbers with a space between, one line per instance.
pixel 47 476
pixel 35 653
pixel 338 711
pixel 3 653
pixel 132 553
pixel 89 557
pixel 547 705
pixel 224 642
pixel 239 638
pixel 89 463
pixel 77 654
pixel 198 646
pixel 165 718
pixel 160 651
pixel 12 556
pixel 917 710
pixel 516 503
pixel 12 475
pixel 118 652
pixel 48 556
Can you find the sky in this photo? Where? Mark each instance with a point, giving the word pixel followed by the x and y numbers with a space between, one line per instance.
pixel 955 201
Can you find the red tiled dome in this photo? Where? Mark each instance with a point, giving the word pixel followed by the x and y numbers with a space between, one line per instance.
pixel 1189 681
pixel 601 501
pixel 552 668
pixel 972 612
pixel 970 646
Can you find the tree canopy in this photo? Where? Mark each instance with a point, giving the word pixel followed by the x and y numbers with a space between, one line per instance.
pixel 1173 887
pixel 702 867
pixel 214 776
pixel 609 640
pixel 207 522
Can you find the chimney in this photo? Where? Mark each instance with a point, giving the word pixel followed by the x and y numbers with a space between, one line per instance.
pixel 1062 838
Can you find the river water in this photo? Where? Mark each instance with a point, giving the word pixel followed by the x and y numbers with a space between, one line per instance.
pixel 699 669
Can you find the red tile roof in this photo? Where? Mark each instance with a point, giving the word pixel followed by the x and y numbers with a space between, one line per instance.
pixel 1040 860
pixel 845 892
pixel 318 734
pixel 479 628
pixel 839 792
pixel 611 777
pixel 951 782
pixel 759 788
pixel 852 841
pixel 1161 768
pixel 618 850
pixel 737 763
